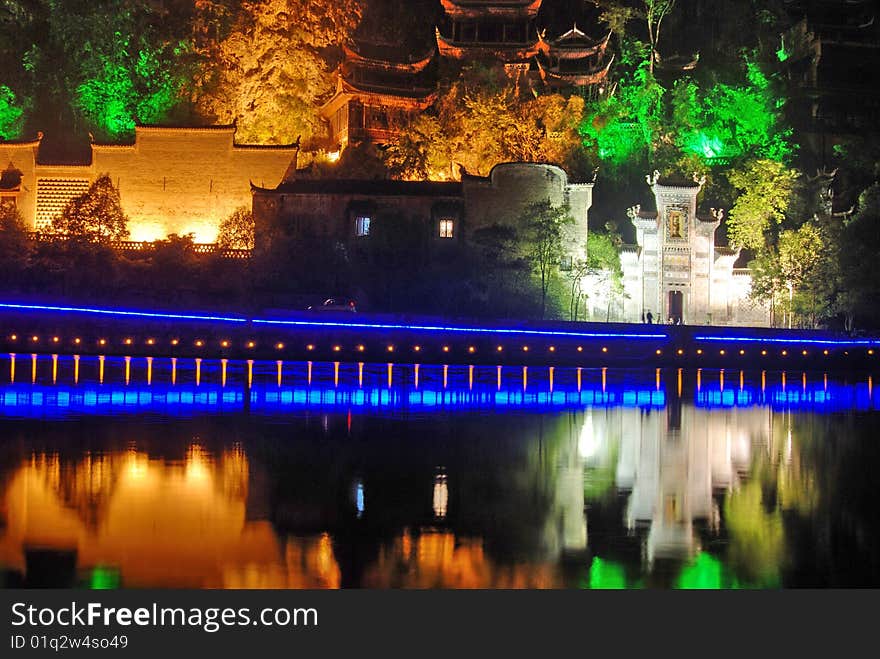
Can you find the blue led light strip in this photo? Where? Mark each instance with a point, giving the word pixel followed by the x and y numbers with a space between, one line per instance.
pixel 793 340
pixel 465 330
pixel 129 314
pixel 326 324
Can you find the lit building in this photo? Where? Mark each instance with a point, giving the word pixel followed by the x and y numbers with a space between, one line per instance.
pixel 491 29
pixel 444 213
pixel 574 60
pixel 170 180
pixel 378 91
pixel 676 272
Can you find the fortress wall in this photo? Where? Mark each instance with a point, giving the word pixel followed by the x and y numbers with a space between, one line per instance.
pixel 22 156
pixel 186 180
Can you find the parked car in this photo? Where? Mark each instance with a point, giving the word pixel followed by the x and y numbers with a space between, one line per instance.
pixel 335 304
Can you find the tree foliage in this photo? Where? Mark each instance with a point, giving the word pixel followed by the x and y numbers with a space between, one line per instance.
pixel 271 72
pixel 544 249
pixel 94 216
pixel 237 230
pixel 765 193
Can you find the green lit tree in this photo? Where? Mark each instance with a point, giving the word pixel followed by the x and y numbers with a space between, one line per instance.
pixel 237 230
pixel 766 188
pixel 94 216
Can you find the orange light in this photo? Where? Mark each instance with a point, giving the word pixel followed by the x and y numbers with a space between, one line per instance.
pixel 445 348
pixel 14 337
pixel 390 348
pixel 279 346
pixel 337 348
pixel 77 341
pixel 824 352
pixel 55 339
pixel 804 353
pixel 552 348
pixel 580 348
pixel 102 342
pixel 417 348
pixel 742 352
pixel 150 342
pixel 604 349
pixel 251 344
pixel 720 352
pixel 699 351
pixel 870 352
pixel 784 353
pixel 37 338
pixel 361 348
pixel 525 348
pixel 471 349
pixel 499 348
pixel 174 342
pixel 199 343
pixel 128 342
pixel 763 352
pixel 310 347
pixel 659 352
pixel 225 344
pixel 680 351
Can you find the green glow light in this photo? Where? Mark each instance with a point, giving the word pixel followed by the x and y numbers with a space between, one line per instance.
pixel 706 573
pixel 782 54
pixel 606 575
pixel 104 578
pixel 11 114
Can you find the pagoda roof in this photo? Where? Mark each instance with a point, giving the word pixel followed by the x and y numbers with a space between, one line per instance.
pixel 412 98
pixel 594 76
pixel 385 58
pixel 508 52
pixel 463 9
pixel 575 44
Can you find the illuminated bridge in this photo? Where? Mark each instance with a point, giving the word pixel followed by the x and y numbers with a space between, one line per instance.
pixel 323 336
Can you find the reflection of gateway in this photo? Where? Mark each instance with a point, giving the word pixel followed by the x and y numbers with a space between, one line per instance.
pixel 672 463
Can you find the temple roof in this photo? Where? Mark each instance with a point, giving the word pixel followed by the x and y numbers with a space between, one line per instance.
pixel 385 58
pixel 503 51
pixel 575 44
pixel 552 76
pixel 507 9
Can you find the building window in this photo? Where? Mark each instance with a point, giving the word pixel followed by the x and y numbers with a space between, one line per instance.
pixel 447 227
pixel 566 263
pixel 362 225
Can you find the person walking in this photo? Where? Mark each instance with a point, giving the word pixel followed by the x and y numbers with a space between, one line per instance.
pixel 650 317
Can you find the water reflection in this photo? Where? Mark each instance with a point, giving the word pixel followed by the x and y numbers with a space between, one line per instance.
pixel 733 480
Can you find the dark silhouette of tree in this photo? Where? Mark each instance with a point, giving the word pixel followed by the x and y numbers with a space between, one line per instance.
pixel 544 223
pixel 237 230
pixel 94 216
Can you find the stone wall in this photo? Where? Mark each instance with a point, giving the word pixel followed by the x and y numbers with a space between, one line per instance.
pixel 171 180
pixel 510 188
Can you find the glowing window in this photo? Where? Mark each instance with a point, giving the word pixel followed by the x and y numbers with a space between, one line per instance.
pixel 362 225
pixel 447 227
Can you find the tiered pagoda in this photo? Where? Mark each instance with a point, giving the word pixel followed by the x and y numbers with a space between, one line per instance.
pixel 575 60
pixel 378 91
pixel 491 29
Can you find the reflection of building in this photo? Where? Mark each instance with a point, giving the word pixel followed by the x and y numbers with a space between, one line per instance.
pixel 170 180
pixel 676 272
pixel 378 92
pixel 672 464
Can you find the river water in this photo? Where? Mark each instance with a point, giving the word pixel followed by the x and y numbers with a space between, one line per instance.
pixel 149 472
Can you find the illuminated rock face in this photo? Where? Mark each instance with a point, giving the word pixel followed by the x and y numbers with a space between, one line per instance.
pixel 171 180
pixel 677 273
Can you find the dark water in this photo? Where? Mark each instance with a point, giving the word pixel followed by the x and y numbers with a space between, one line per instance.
pixel 129 473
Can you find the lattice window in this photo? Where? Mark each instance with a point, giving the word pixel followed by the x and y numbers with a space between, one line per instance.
pixel 53 194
